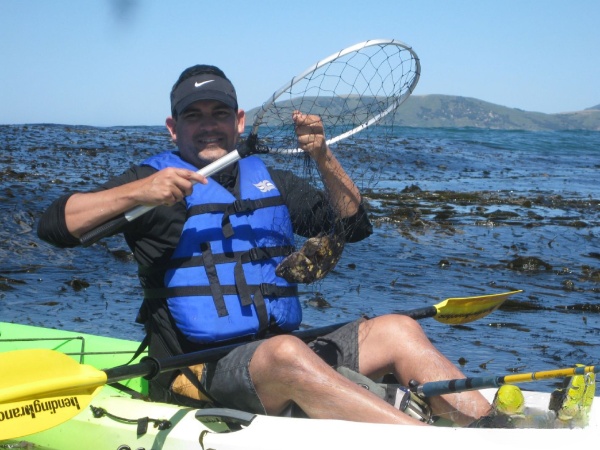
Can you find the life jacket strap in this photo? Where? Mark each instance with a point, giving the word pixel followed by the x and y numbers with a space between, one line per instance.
pixel 252 255
pixel 267 290
pixel 244 206
pixel 211 272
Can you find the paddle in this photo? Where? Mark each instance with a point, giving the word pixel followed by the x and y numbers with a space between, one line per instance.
pixel 452 311
pixel 40 389
pixel 442 387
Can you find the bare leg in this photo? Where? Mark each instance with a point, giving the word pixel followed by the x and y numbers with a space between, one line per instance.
pixel 397 344
pixel 284 370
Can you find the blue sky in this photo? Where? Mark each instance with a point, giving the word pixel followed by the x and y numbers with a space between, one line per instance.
pixel 113 62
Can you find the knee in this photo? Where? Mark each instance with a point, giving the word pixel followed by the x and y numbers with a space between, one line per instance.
pixel 406 323
pixel 406 327
pixel 395 327
pixel 285 350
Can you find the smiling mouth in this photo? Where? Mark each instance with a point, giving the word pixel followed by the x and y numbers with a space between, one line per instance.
pixel 210 141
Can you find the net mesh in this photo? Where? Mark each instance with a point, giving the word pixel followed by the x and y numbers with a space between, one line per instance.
pixel 347 91
pixel 356 94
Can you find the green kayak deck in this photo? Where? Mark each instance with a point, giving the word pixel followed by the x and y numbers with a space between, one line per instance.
pixel 116 421
pixel 98 351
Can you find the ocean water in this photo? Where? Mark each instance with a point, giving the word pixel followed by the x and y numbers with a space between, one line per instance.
pixel 453 209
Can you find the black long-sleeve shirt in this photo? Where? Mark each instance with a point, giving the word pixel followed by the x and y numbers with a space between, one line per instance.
pixel 153 236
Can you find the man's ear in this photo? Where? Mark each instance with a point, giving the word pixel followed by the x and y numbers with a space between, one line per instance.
pixel 241 115
pixel 170 123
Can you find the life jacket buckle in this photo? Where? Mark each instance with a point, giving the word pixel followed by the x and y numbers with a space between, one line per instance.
pixel 242 206
pixel 254 254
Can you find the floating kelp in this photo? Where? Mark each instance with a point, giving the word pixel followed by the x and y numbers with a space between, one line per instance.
pixel 528 264
pixel 424 217
pixel 318 301
pixel 78 284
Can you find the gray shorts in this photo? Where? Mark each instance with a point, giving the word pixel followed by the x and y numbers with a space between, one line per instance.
pixel 228 380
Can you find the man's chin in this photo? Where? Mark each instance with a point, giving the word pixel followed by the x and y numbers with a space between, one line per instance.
pixel 209 156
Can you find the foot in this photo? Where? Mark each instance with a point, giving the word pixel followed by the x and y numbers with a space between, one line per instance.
pixel 573 402
pixel 493 420
pixel 509 400
pixel 508 403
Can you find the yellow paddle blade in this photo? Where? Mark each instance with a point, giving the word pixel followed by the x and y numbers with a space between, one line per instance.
pixel 27 417
pixel 41 388
pixel 35 373
pixel 454 311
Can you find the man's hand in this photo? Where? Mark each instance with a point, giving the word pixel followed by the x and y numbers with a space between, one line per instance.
pixel 343 194
pixel 167 186
pixel 311 134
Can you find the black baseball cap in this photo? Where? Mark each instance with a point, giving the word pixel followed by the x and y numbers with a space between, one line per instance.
pixel 206 86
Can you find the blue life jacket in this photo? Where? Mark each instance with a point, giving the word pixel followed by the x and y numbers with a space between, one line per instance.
pixel 221 281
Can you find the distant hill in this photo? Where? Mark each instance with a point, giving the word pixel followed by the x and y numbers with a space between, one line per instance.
pixel 453 111
pixel 435 111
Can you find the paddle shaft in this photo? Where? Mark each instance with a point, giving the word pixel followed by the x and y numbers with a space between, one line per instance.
pixel 442 387
pixel 75 375
pixel 150 367
pixel 464 310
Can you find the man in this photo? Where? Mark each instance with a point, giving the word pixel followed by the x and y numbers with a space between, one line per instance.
pixel 201 287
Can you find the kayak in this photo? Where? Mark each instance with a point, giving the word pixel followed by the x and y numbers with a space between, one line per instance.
pixel 118 419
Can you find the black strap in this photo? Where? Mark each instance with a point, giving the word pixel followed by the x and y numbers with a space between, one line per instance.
pixel 241 284
pixel 187 372
pixel 243 206
pixel 129 391
pixel 208 208
pixel 252 255
pixel 261 312
pixel 246 299
pixel 143 345
pixel 132 392
pixel 142 422
pixel 248 295
pixel 267 290
pixel 213 279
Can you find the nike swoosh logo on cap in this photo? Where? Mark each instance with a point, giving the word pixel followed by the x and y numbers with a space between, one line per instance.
pixel 198 84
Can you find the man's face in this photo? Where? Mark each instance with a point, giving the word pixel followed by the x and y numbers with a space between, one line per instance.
pixel 206 130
